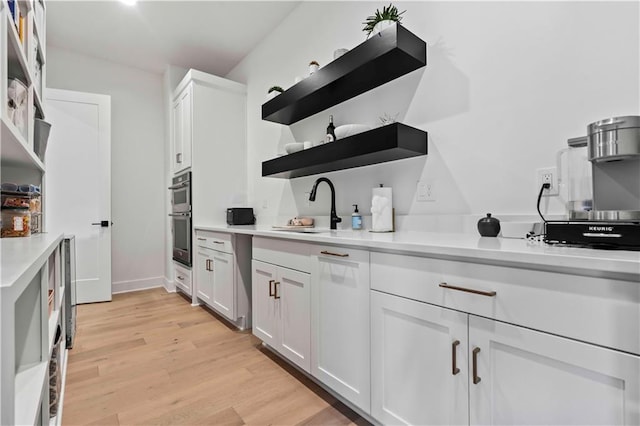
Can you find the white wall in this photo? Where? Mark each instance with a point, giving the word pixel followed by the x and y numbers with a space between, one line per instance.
pixel 507 83
pixel 137 161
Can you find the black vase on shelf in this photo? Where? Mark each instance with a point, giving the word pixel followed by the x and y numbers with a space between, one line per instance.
pixel 489 226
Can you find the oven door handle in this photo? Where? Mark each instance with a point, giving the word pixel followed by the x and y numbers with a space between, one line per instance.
pixel 179 185
pixel 180 214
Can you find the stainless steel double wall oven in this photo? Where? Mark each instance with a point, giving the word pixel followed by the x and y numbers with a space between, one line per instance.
pixel 181 218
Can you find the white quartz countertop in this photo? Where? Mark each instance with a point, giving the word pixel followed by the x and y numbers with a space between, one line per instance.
pixel 618 264
pixel 21 258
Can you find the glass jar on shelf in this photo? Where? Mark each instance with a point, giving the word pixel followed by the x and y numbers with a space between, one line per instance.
pixel 16 222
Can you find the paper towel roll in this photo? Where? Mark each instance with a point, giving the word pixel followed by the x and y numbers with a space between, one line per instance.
pixel 381 210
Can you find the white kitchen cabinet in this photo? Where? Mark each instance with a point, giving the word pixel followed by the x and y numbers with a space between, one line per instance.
pixel 340 344
pixel 223 297
pixel 584 308
pixel 204 276
pixel 529 377
pixel 182 129
pixel 182 278
pixel 22 57
pixel 30 268
pixel 208 132
pixel 281 305
pixel 265 307
pixel 505 374
pixel 530 359
pixel 419 372
pixel 215 284
pixel 223 267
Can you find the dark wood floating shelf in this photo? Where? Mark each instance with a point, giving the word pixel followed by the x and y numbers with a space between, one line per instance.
pixel 391 142
pixel 385 56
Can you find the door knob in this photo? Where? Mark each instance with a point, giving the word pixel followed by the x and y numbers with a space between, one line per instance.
pixel 102 223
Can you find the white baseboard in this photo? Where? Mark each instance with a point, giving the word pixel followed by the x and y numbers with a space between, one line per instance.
pixel 169 285
pixel 135 285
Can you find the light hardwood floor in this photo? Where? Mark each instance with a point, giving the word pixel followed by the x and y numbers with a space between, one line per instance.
pixel 149 357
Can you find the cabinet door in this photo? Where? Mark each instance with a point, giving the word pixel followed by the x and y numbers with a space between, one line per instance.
pixel 340 322
pixel 187 127
pixel 182 130
pixel 265 316
pixel 414 347
pixel 176 118
pixel 204 281
pixel 529 377
pixel 293 297
pixel 182 279
pixel 223 284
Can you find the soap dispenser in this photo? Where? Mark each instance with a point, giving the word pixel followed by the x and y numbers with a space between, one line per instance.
pixel 356 219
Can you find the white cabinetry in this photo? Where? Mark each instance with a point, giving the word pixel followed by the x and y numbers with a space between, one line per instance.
pixel 340 321
pixel 281 311
pixel 208 129
pixel 30 268
pixel 426 371
pixel 22 57
pixel 182 278
pixel 208 136
pixel 281 298
pixel 204 274
pixel 529 377
pixel 182 129
pixel 266 311
pixel 419 371
pixel 222 265
pixel 513 374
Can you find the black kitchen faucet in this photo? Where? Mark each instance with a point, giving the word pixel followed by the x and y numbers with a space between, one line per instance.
pixel 312 197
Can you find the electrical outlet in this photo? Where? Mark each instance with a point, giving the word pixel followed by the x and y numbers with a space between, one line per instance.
pixel 425 191
pixel 547 175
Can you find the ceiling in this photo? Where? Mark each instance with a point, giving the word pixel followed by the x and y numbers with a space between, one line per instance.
pixel 211 36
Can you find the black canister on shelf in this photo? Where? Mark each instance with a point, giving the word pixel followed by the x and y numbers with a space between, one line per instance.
pixel 489 226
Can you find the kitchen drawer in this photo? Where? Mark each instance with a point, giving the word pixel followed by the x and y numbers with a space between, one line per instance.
pixel 215 240
pixel 596 310
pixel 287 253
pixel 182 278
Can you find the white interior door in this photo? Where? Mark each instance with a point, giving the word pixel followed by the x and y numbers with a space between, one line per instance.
pixel 78 183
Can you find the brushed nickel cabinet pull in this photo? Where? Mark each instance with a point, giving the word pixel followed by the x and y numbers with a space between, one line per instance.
pixel 179 158
pixel 218 242
pixel 335 254
pixel 468 290
pixel 476 378
pixel 275 290
pixel 454 370
pixel 202 239
pixel 271 292
pixel 180 278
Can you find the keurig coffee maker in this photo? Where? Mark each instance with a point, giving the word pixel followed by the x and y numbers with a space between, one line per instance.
pixel 611 219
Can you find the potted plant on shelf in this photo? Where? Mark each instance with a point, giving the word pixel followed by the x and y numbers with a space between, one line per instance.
pixel 382 19
pixel 313 67
pixel 273 92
